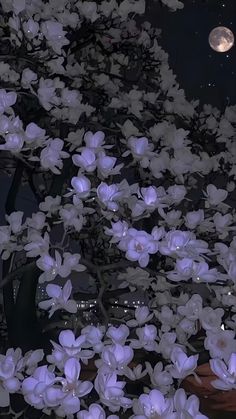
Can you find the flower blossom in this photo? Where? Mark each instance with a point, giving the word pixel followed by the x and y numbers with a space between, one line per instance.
pixel 153 405
pixel 111 391
pixel 226 373
pixel 138 245
pixel 182 364
pixel 59 299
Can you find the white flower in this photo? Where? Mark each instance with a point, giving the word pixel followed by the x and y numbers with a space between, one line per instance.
pixel 127 6
pixel 138 245
pixel 41 379
pixel 140 149
pixel 13 142
pixel 53 32
pixel 220 343
pixel 174 5
pixel 116 357
pixel 106 165
pixel 10 365
pixel 176 194
pixel 73 388
pixel 31 28
pixel 118 231
pixel 94 337
pixel 147 336
pixel 182 364
pixel 27 77
pixel 6 100
pixel 59 299
pixel 87 160
pixel 95 411
pixel 175 241
pixel 52 155
pixel 187 407
pixel 226 373
pixel 37 245
pixel 107 194
pixel 142 316
pixel 153 405
pixel 194 218
pixel 37 220
pixel 192 308
pixel 34 134
pixel 15 221
pixel 215 196
pixel 50 205
pixel 71 217
pixel 118 334
pixel 166 344
pixel 94 141
pixel 88 9
pixel 211 319
pixel 160 378
pixel 111 391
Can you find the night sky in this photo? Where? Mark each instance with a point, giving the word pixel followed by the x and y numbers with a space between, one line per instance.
pixel 203 73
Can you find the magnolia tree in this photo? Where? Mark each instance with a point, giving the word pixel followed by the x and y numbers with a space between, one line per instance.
pixel 134 185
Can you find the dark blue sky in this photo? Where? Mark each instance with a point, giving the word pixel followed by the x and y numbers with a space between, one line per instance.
pixel 202 72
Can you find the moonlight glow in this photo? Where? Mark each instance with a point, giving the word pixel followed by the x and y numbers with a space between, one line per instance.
pixel 221 39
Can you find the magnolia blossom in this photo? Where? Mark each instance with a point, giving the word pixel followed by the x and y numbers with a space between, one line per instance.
pixel 187 407
pixel 69 346
pixel 86 160
pixel 6 100
pixel 93 337
pixel 53 267
pixel 141 150
pixel 13 142
pixel 53 32
pixel 52 155
pixel 182 364
pixel 108 194
pixel 192 308
pixel 42 379
pixel 153 405
pixel 220 343
pixel 71 217
pixel 142 316
pixel 28 77
pixel 214 195
pixel 118 231
pixel 94 412
pixel 31 28
pixel 106 165
pixel 50 204
pixel 95 141
pixel 81 185
pixel 194 218
pixel 147 336
pixel 111 391
pixel 34 134
pixel 72 387
pixel 15 221
pixel 37 245
pixel 118 334
pixel 9 375
pixel 59 299
pixel 116 357
pixel 225 371
pixel 138 245
pixel 211 319
pixel 159 376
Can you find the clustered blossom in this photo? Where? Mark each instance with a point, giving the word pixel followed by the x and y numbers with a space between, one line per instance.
pixel 115 190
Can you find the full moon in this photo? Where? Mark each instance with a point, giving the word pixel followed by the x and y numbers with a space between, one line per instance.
pixel 221 39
